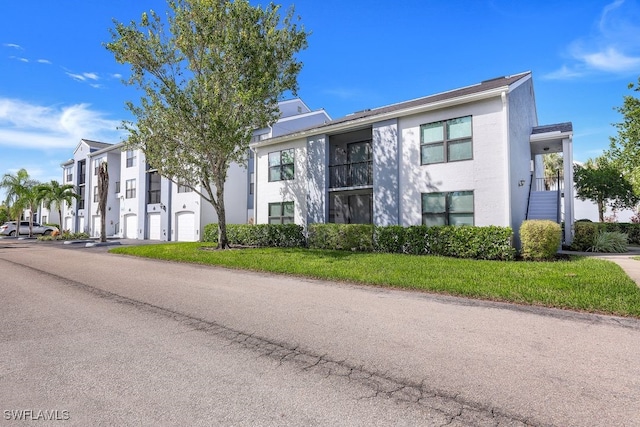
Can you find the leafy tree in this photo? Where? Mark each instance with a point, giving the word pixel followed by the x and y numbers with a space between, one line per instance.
pixel 211 73
pixel 4 213
pixel 603 183
pixel 625 147
pixel 55 195
pixel 103 192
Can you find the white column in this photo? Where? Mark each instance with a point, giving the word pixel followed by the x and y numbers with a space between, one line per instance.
pixel 567 151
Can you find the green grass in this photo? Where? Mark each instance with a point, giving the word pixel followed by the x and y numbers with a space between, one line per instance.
pixel 581 283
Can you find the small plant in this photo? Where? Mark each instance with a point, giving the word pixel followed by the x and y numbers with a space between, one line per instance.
pixel 540 239
pixel 610 242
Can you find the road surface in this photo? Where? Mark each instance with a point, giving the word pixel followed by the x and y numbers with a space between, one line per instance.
pixel 90 338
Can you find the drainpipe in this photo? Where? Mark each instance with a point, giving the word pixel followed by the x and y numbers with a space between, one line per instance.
pixel 255 184
pixel 507 160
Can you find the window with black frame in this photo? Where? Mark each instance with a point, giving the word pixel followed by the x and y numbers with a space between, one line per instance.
pixel 446 141
pixel 448 208
pixel 281 165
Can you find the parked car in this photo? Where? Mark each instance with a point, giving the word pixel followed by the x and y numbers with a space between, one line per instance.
pixel 9 228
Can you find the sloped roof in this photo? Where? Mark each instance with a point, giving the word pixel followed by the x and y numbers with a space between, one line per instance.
pixel 558 127
pixel 97 145
pixel 371 114
pixel 469 90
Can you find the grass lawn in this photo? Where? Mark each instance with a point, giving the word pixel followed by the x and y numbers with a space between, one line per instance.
pixel 581 283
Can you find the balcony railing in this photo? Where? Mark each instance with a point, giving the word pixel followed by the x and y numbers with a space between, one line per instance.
pixel 549 184
pixel 351 175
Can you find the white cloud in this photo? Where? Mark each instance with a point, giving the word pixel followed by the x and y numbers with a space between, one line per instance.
pixel 613 48
pixel 92 76
pixel 611 60
pixel 18 58
pixel 44 61
pixel 13 45
pixel 78 77
pixel 41 127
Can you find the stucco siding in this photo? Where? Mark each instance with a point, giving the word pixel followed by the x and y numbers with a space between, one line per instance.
pixel 386 192
pixel 294 190
pixel 484 174
pixel 522 118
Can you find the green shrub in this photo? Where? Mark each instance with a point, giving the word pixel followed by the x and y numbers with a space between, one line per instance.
pixel 210 233
pixel 350 237
pixel 263 235
pixel 389 239
pixel 461 242
pixel 66 235
pixel 584 235
pixel 610 241
pixel 540 239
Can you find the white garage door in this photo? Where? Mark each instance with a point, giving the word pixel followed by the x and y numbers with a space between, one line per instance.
pixel 131 226
pixel 185 227
pixel 154 226
pixel 96 225
pixel 81 225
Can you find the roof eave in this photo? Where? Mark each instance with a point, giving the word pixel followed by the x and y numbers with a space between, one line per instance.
pixel 355 123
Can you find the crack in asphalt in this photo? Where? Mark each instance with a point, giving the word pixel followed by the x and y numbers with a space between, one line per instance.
pixel 374 384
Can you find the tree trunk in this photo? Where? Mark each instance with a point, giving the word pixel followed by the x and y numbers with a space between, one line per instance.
pixel 103 191
pixel 60 218
pixel 30 222
pixel 223 242
pixel 600 210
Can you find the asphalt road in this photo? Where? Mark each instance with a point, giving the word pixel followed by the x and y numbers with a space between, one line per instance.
pixel 91 338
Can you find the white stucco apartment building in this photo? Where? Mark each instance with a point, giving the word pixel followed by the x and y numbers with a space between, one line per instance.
pixel 143 205
pixel 467 156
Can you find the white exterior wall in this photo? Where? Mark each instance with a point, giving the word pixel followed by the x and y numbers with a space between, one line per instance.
pixel 294 190
pixel 485 174
pixel 131 206
pixel 521 109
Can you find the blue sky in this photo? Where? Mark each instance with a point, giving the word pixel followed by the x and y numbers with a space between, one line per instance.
pixel 59 84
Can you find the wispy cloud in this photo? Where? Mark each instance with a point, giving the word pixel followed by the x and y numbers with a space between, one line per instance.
pixel 48 127
pixel 12 45
pixel 614 46
pixel 19 58
pixel 89 78
pixel 43 61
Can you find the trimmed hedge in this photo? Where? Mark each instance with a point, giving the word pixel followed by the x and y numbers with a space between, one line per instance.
pixel 540 239
pixel 265 235
pixel 462 242
pixel 349 237
pixel 585 233
pixel 494 243
pixel 491 243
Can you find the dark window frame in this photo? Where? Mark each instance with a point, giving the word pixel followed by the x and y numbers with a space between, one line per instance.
pixel 283 171
pixel 446 142
pixel 282 219
pixel 447 213
pixel 130 189
pixel 131 158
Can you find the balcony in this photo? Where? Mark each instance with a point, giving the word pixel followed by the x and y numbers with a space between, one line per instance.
pixel 359 174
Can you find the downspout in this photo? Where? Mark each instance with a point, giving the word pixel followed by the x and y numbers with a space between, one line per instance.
pixel 529 198
pixel 507 160
pixel 255 184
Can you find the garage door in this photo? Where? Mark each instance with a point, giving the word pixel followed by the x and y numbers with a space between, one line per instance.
pixel 154 226
pixel 131 226
pixel 81 225
pixel 95 227
pixel 185 227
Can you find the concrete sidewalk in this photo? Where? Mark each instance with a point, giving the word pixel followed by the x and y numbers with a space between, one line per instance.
pixel 624 260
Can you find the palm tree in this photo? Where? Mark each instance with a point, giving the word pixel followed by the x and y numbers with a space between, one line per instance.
pixel 54 194
pixel 18 188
